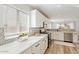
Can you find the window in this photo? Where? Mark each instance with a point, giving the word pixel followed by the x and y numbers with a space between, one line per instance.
pixel 23 22
pixel 10 21
pixel 0 15
pixel 11 18
pixel 14 21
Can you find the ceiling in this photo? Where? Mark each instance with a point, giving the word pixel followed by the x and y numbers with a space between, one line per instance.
pixel 58 10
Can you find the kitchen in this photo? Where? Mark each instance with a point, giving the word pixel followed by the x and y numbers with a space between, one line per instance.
pixel 38 29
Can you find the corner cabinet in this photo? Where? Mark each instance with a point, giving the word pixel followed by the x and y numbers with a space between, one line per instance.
pixel 37 18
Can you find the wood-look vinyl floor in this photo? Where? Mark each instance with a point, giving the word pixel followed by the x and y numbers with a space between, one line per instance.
pixel 62 49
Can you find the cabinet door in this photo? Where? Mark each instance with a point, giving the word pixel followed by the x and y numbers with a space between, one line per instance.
pixel 61 36
pixel 39 20
pixel 44 44
pixel 36 19
pixel 27 51
pixel 55 36
pixel 75 37
pixel 36 48
pixel 48 25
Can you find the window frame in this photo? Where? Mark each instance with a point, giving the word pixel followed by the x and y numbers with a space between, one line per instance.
pixel 14 35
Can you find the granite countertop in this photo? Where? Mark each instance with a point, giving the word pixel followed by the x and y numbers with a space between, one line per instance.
pixel 17 47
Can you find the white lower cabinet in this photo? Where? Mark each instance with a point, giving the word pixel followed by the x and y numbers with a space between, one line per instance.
pixel 54 35
pixel 61 36
pixel 27 51
pixel 44 45
pixel 35 49
pixel 75 37
pixel 39 47
pixel 57 36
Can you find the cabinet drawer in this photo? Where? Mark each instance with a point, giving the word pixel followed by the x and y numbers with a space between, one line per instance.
pixel 44 44
pixel 54 36
pixel 36 48
pixel 39 47
pixel 27 51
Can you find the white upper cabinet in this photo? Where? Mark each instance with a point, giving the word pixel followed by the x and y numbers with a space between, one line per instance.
pixel 37 19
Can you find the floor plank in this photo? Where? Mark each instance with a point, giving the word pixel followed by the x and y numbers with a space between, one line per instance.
pixel 70 50
pixel 58 48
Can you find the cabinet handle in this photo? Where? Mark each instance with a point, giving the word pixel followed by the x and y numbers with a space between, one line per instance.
pixel 43 39
pixel 32 53
pixel 37 45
